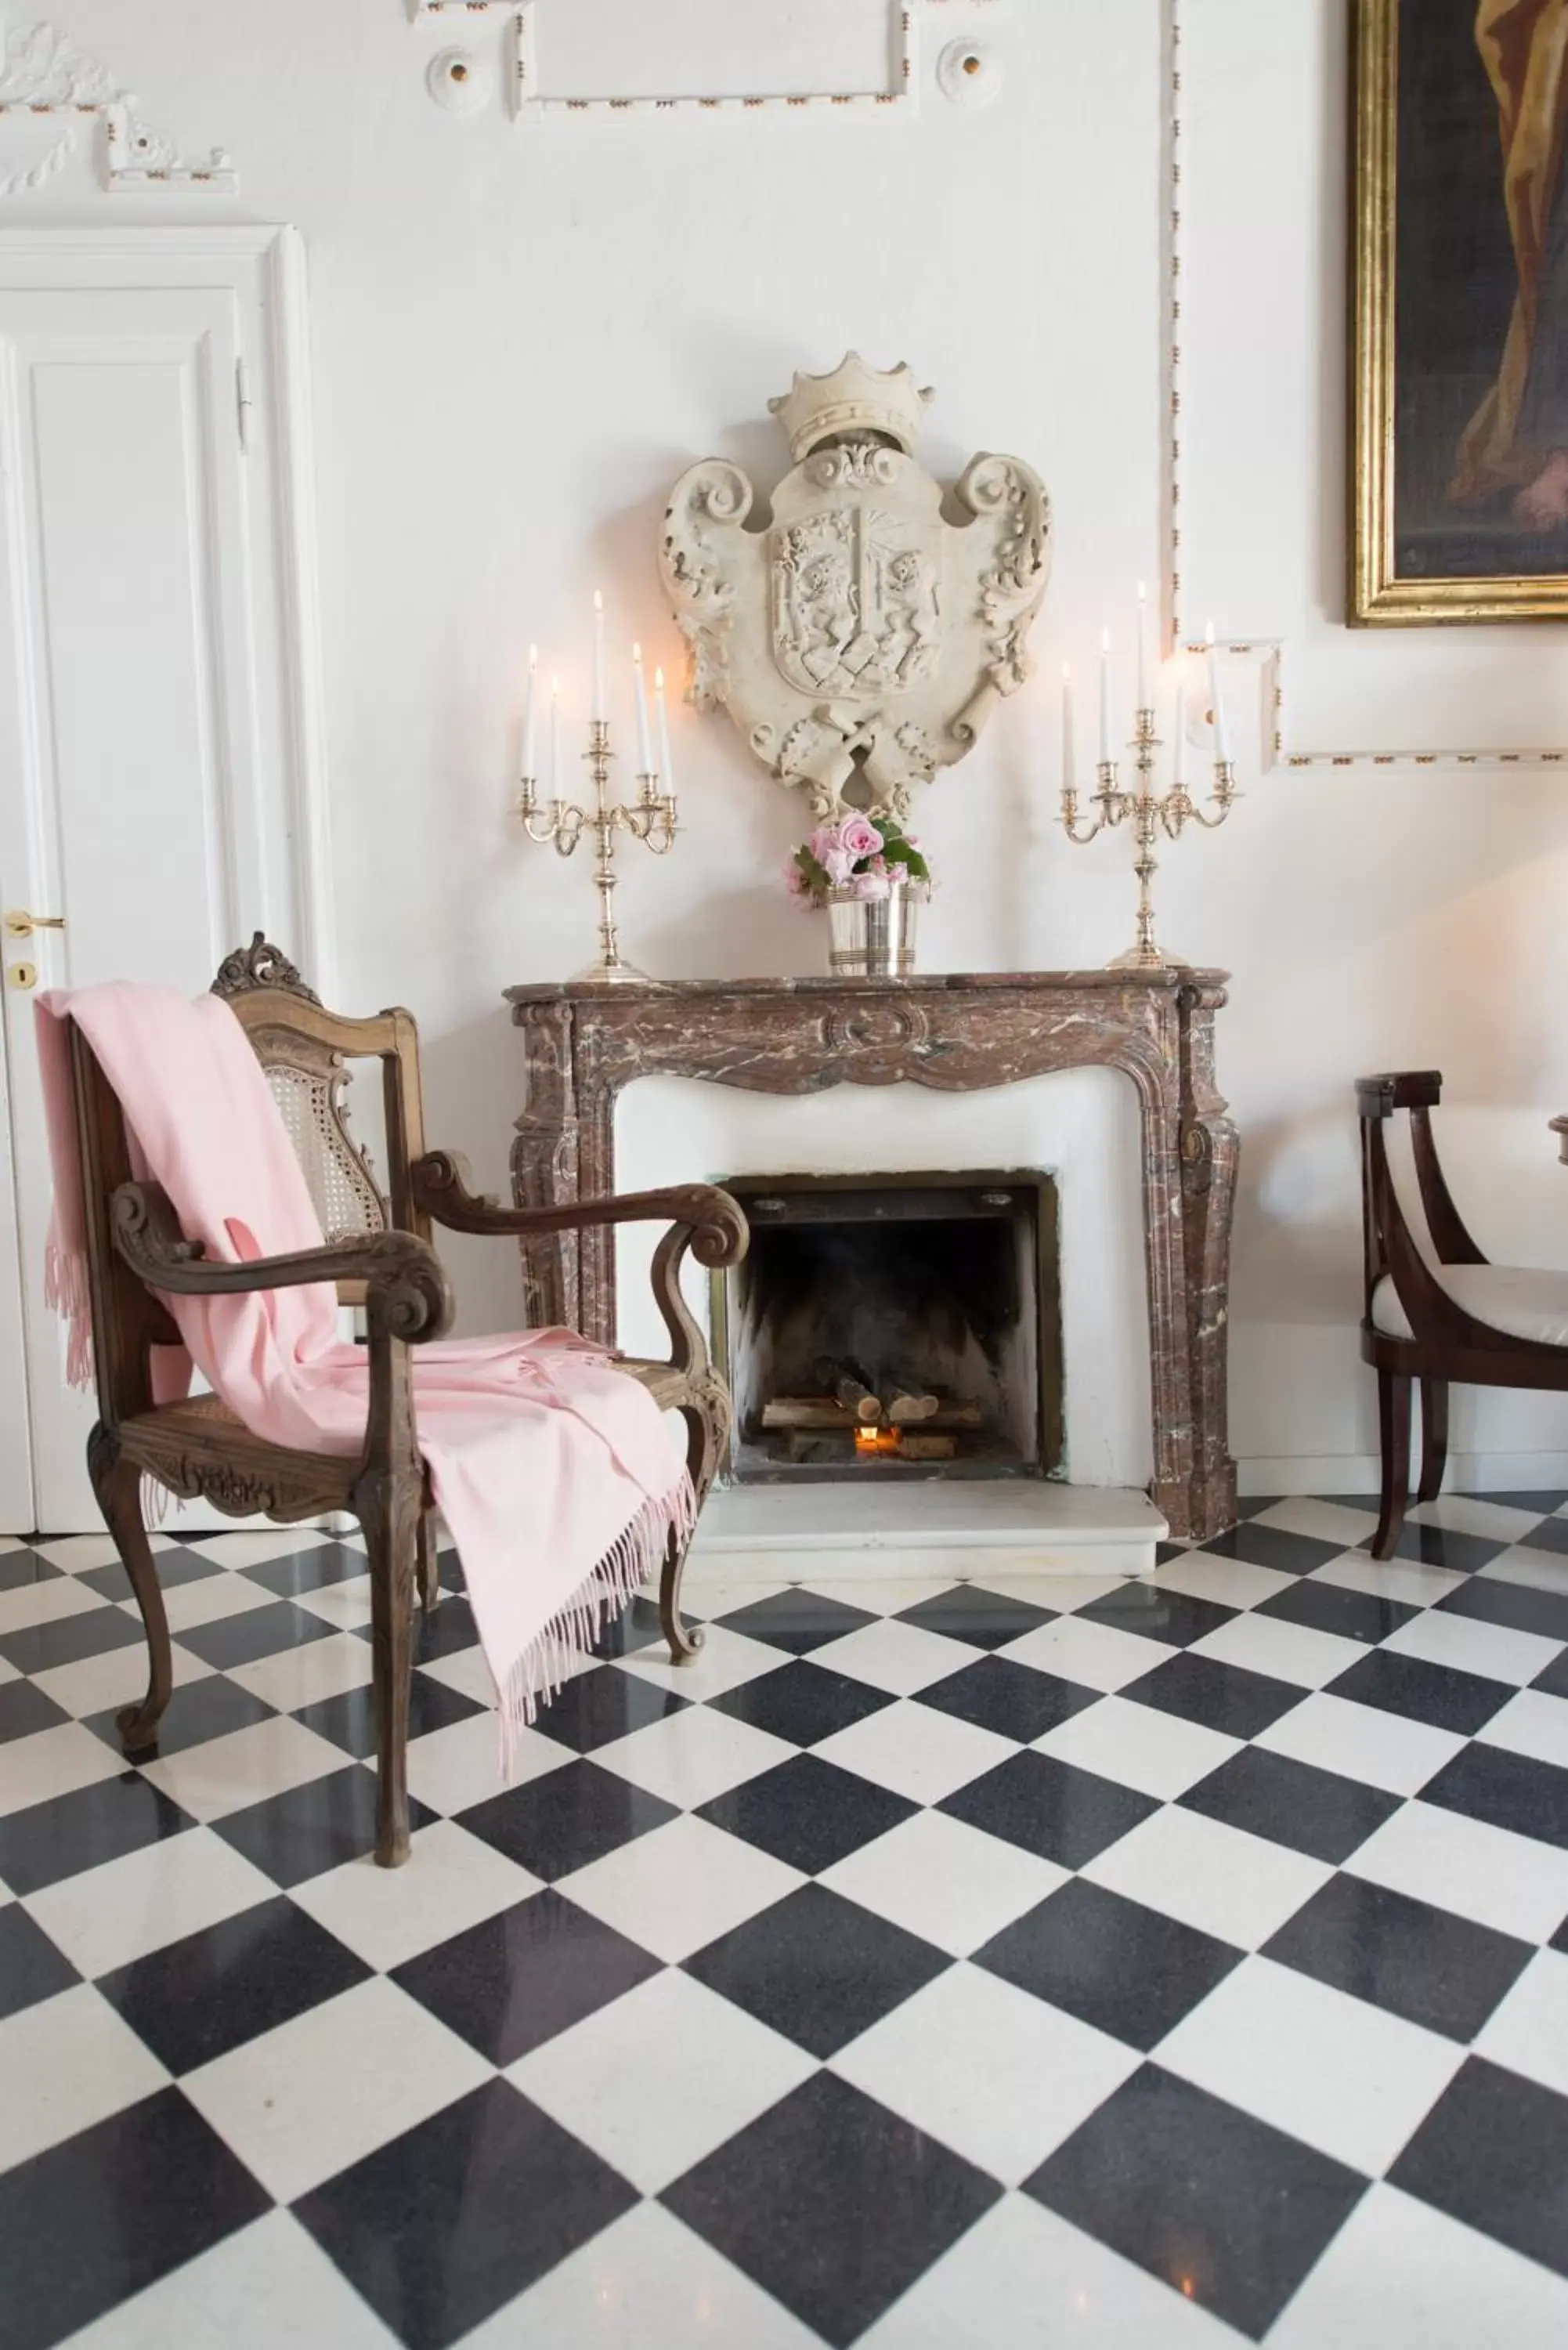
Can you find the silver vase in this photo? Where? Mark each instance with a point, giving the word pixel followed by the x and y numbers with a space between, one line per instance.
pixel 873 937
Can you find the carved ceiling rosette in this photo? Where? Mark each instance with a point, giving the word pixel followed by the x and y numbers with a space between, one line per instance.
pixel 859 640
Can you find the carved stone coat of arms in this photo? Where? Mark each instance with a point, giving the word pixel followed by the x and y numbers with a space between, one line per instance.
pixel 860 640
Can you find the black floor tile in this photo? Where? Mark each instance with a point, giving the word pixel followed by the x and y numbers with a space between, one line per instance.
pixel 986 1619
pixel 1425 1964
pixel 1292 1802
pixel 70 1833
pixel 260 1632
pixel 1550 1534
pixel 594 1708
pixel 798 1619
pixel 294 1571
pixel 455 2219
pixel 198 1712
pixel 445 1631
pixel 31 1969
pixel 1226 1698
pixel 570 1816
pixel 39 1648
pixel 1013 1699
pixel 1050 1807
pixel 1331 1607
pixel 1559 1939
pixel 1436 1694
pixel 1544 1505
pixel 313 1827
pixel 1228 2211
pixel 789 2202
pixel 817 1967
pixel 1275 1546
pixel 627 1634
pixel 1517 1604
pixel 348 1720
pixel 1441 1546
pixel 1157 1614
pixel 514 1981
pixel 1131 1971
pixel 1507 1791
pixel 25 1709
pixel 175 1569
pixel 209 1992
pixel 1493 2153
pixel 21 1568
pixel 806 1812
pixel 1554 1680
pixel 1252 1505
pixel 801 1702
pixel 104 2214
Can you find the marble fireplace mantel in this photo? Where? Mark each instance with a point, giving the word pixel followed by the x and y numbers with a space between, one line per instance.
pixel 955 1032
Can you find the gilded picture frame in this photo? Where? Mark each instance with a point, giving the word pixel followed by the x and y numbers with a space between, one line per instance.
pixel 1460 327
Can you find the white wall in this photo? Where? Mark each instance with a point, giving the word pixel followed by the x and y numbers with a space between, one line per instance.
pixel 521 334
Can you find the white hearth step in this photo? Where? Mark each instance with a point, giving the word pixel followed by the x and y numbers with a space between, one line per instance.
pixel 1022 1526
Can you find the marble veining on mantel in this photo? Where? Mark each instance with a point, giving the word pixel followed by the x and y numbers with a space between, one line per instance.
pixel 954 1032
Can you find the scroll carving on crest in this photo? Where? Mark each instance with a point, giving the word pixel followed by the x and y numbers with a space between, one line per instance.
pixel 859 640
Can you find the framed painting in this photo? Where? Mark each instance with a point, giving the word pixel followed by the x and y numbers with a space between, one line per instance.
pixel 1459 393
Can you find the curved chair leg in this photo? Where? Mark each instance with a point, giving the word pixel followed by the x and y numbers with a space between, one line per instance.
pixel 117 1483
pixel 708 1429
pixel 388 1511
pixel 429 1562
pixel 1394 1432
pixel 1434 1438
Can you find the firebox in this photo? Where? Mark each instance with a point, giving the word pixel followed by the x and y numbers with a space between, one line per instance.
pixel 894 1327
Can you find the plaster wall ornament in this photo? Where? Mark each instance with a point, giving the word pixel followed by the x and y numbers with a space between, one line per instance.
pixel 45 76
pixel 859 640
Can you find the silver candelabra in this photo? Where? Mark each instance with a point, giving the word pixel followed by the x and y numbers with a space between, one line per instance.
pixel 561 822
pixel 1149 813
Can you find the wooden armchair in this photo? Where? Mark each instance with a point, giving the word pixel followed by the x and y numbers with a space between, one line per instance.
pixel 1469 1320
pixel 378 1248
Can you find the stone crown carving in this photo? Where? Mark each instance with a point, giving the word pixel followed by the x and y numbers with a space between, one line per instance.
pixel 860 640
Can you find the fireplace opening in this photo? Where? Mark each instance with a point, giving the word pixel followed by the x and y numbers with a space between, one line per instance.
pixel 894 1327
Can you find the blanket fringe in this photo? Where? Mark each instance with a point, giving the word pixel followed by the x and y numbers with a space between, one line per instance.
pixel 66 1291
pixel 551 1655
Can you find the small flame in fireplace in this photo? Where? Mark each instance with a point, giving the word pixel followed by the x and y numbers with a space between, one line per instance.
pixel 869 1441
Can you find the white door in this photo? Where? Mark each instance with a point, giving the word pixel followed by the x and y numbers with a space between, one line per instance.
pixel 159 772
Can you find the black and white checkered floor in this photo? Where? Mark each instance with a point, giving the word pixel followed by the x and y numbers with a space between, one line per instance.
pixel 1111 1963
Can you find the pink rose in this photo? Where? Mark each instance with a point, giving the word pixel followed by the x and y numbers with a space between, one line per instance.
pixel 871 886
pixel 823 841
pixel 840 867
pixel 859 837
pixel 795 881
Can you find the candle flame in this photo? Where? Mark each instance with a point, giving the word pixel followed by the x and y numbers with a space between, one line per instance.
pixel 554 688
pixel 1142 593
pixel 598 600
pixel 1105 640
pixel 1066 672
pixel 1208 634
pixel 659 680
pixel 533 659
pixel 636 655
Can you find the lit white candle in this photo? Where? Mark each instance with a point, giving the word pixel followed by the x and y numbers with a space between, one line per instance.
pixel 1105 751
pixel 1221 724
pixel 644 740
pixel 529 746
pixel 1145 700
pixel 556 738
pixel 1069 748
pixel 1179 772
pixel 666 764
pixel 598 711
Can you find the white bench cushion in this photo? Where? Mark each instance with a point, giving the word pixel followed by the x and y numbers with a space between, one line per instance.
pixel 1517 1299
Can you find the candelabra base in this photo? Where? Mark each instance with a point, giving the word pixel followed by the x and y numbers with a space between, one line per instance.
pixel 1142 958
pixel 611 974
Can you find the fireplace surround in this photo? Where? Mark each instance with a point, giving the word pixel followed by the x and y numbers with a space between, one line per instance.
pixel 584 1043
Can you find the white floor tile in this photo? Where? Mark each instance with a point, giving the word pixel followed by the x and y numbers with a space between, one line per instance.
pixel 950 1883
pixel 662 2077
pixel 886 1596
pixel 466 1672
pixel 1361 1742
pixel 1096 1656
pixel 1064 1595
pixel 255 1548
pixel 916 1750
pixel 225 1774
pixel 1285 1652
pixel 1473 1513
pixel 187 1605
pixel 1528 2032
pixel 1531 1724
pixel 724 1660
pixel 103 1917
pixel 269 2284
pixel 1539 1570
pixel 646 2284
pixel 99 1684
pixel 1022 2279
pixel 1488 1874
pixel 1494 1651
pixel 52 1763
pixel 1229 1582
pixel 296 1677
pixel 999 2076
pixel 47 1603
pixel 1137 1745
pixel 1403 1580
pixel 1349 2078
pixel 386 1914
pixel 345 1604
pixel 680 1887
pixel 1400 2276
pixel 692 1756
pixel 899 1658
pixel 1332 1522
pixel 1216 1877
pixel 79 1554
pixel 454 1768
pixel 300 2103
pixel 65 2063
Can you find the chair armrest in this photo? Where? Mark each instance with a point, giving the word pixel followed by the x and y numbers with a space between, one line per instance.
pixel 715 1226
pixel 407 1294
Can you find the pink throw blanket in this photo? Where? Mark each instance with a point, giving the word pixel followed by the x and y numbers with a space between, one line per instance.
pixel 557 1475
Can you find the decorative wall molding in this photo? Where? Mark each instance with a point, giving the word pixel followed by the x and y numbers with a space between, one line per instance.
pixel 1269 651
pixel 45 73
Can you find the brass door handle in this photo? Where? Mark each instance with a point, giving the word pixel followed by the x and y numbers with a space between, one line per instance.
pixel 20 925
